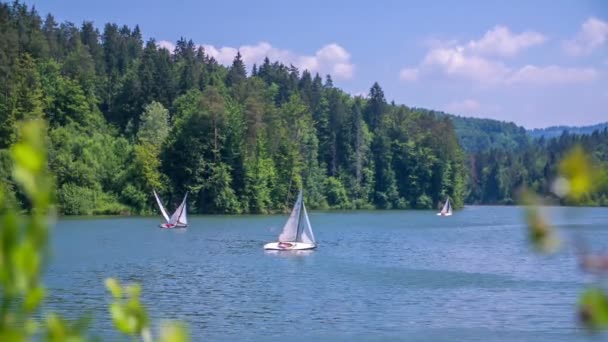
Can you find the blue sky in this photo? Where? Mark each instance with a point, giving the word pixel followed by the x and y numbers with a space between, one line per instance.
pixel 536 63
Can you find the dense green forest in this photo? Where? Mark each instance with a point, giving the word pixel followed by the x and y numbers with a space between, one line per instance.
pixel 126 117
pixel 496 175
pixel 556 131
pixel 476 135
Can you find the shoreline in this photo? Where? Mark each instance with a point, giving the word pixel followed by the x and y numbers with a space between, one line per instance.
pixel 320 211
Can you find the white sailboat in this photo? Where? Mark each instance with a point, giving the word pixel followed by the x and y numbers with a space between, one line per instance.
pixel 447 209
pixel 179 219
pixel 297 232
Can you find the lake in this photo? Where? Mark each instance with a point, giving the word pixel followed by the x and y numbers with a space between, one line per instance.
pixel 376 275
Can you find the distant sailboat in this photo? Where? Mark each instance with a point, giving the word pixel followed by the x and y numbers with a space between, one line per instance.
pixel 447 209
pixel 179 219
pixel 297 232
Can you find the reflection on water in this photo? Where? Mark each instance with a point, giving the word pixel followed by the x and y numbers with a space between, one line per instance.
pixel 375 275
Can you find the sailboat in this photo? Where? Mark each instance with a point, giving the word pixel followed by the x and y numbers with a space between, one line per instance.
pixel 297 232
pixel 447 209
pixel 179 219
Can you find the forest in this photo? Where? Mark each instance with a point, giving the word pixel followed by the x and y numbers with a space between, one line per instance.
pixel 127 116
pixel 496 175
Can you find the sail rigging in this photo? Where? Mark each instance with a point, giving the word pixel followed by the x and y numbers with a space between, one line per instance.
pixel 290 229
pixel 297 228
pixel 297 232
pixel 179 216
pixel 161 207
pixel 447 207
pixel 305 230
pixel 178 219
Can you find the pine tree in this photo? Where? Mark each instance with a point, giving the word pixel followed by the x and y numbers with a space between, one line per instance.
pixel 237 73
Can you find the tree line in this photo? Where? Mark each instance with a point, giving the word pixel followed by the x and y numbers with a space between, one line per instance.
pixel 126 117
pixel 496 175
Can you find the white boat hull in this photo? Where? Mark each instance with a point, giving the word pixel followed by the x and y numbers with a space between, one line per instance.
pixel 446 214
pixel 171 226
pixel 289 246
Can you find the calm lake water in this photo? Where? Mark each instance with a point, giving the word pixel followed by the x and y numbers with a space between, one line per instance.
pixel 382 275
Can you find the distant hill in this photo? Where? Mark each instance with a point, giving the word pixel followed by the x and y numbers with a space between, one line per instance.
pixel 476 135
pixel 555 131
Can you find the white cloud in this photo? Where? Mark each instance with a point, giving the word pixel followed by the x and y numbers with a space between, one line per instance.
pixel 343 70
pixel 501 42
pixel 456 62
pixel 331 58
pixel 408 74
pixel 333 52
pixel 593 34
pixel 167 45
pixel 472 62
pixel 463 107
pixel 551 75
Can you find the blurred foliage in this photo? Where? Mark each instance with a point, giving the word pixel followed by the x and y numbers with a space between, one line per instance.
pixel 23 252
pixel 23 240
pixel 579 177
pixel 578 172
pixel 131 318
pixel 542 235
pixel 128 314
pixel 593 308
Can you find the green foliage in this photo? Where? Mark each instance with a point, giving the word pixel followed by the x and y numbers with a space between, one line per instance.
pixel 478 135
pixel 336 194
pixel 128 314
pixel 23 250
pixel 154 125
pixel 23 239
pixel 593 308
pixel 578 163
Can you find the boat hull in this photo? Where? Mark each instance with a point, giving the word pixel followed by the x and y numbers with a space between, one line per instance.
pixel 289 246
pixel 447 214
pixel 171 226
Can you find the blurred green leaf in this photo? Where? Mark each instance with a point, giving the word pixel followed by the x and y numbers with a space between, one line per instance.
pixel 577 169
pixel 60 330
pixel 128 314
pixel 593 308
pixel 174 332
pixel 114 287
pixel 121 319
pixel 27 157
pixel 34 298
pixel 542 235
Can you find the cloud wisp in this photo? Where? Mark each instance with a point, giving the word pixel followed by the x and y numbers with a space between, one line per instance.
pixel 500 41
pixel 479 61
pixel 592 35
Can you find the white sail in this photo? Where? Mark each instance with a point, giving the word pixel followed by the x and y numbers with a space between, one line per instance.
pixel 447 207
pixel 160 205
pixel 179 212
pixel 182 220
pixel 305 230
pixel 290 229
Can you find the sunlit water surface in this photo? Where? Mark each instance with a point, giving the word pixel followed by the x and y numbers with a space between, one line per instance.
pixel 381 275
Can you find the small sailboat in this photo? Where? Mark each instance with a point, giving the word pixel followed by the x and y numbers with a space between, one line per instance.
pixel 447 209
pixel 179 219
pixel 297 232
